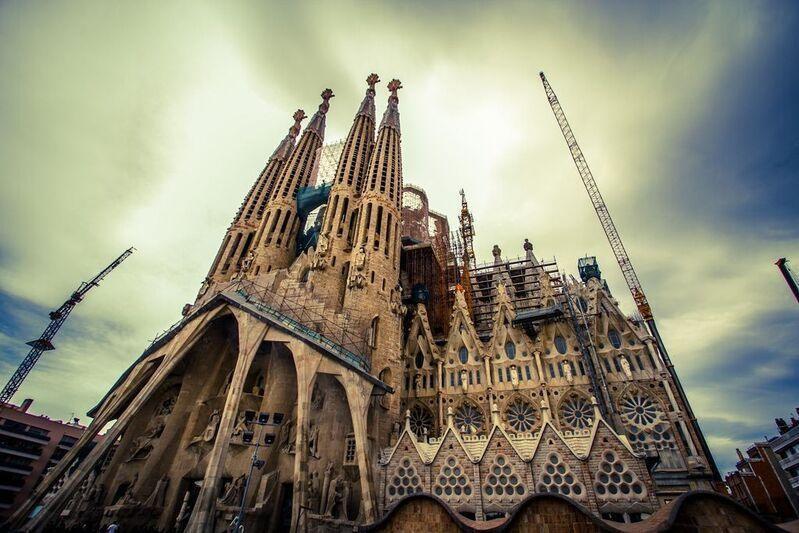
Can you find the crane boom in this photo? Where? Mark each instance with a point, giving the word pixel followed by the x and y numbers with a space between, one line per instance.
pixel 623 259
pixel 57 318
pixel 599 205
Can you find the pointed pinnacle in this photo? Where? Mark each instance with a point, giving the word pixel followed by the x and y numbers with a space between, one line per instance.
pixel 394 86
pixel 299 116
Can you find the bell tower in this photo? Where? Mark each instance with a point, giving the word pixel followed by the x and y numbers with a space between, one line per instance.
pixel 275 246
pixel 331 259
pixel 373 278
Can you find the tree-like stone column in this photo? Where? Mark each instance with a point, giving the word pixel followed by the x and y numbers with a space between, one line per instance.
pixel 251 334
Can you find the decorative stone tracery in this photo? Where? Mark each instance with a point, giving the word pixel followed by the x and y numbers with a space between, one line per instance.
pixel 452 481
pixel 557 478
pixel 405 480
pixel 615 481
pixel 576 412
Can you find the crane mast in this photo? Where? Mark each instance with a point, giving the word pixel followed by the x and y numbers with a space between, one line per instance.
pixel 57 318
pixel 622 258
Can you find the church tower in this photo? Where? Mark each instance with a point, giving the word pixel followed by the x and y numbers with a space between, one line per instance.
pixel 331 261
pixel 238 240
pixel 373 277
pixel 275 246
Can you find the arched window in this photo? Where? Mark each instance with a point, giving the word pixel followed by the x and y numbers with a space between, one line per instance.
pixel 373 332
pixel 613 337
pixel 463 355
pixel 419 359
pixel 510 350
pixel 560 344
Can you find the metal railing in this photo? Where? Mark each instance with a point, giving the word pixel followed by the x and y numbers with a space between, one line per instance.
pixel 296 314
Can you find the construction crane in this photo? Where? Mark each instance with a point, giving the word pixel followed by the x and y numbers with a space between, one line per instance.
pixel 45 342
pixel 620 252
pixel 790 277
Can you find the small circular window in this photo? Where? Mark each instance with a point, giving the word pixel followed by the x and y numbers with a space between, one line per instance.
pixel 463 355
pixel 560 344
pixel 510 350
pixel 613 337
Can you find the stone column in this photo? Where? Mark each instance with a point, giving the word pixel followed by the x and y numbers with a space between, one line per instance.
pixel 358 393
pixel 541 375
pixel 306 377
pixel 251 333
pixel 440 395
pixel 489 377
pixel 174 354
pixel 654 353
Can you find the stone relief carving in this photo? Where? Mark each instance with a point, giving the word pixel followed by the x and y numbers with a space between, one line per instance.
pixel 567 371
pixel 185 512
pixel 231 495
pixel 313 440
pixel 209 432
pixel 625 366
pixel 514 375
pixel 317 398
pixel 158 495
pixel 396 301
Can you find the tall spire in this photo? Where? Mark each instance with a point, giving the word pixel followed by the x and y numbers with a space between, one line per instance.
pixel 276 239
pixel 283 149
pixel 391 117
pixel 233 254
pixel 338 228
pixel 317 124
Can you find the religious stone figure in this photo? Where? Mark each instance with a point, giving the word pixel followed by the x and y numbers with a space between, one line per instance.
pixel 325 487
pixel 143 444
pixel 241 426
pixel 464 380
pixel 360 258
pixel 345 498
pixel 625 366
pixel 333 496
pixel 396 301
pixel 514 375
pixel 313 491
pixel 185 512
pixel 158 495
pixel 247 262
pixel 417 382
pixel 317 397
pixel 567 371
pixel 288 436
pixel 209 432
pixel 233 492
pixel 313 440
pixel 129 499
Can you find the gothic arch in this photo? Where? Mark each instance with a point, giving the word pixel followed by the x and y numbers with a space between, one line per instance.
pixel 645 420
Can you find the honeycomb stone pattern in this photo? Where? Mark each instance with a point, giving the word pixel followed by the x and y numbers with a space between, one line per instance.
pixel 452 481
pixel 405 481
pixel 502 482
pixel 557 478
pixel 615 481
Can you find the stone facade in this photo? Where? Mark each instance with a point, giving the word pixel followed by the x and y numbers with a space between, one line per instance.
pixel 326 357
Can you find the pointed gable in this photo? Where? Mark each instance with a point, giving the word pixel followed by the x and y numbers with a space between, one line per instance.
pixel 420 336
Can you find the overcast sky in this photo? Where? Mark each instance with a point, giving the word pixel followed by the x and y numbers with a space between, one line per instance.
pixel 145 124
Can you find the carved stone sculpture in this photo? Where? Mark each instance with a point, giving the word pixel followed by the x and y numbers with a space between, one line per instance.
pixel 625 366
pixel 313 440
pixel 158 495
pixel 567 371
pixel 184 513
pixel 209 432
pixel 514 375
pixel 232 495
pixel 333 496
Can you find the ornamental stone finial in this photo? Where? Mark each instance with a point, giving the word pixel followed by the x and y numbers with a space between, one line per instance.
pixel 372 80
pixel 326 95
pixel 299 116
pixel 394 86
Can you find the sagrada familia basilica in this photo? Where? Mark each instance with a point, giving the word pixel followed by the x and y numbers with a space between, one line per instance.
pixel 347 355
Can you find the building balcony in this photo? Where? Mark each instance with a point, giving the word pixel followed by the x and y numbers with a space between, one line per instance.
pixel 30 436
pixel 789 462
pixel 15 469
pixel 785 440
pixel 19 453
